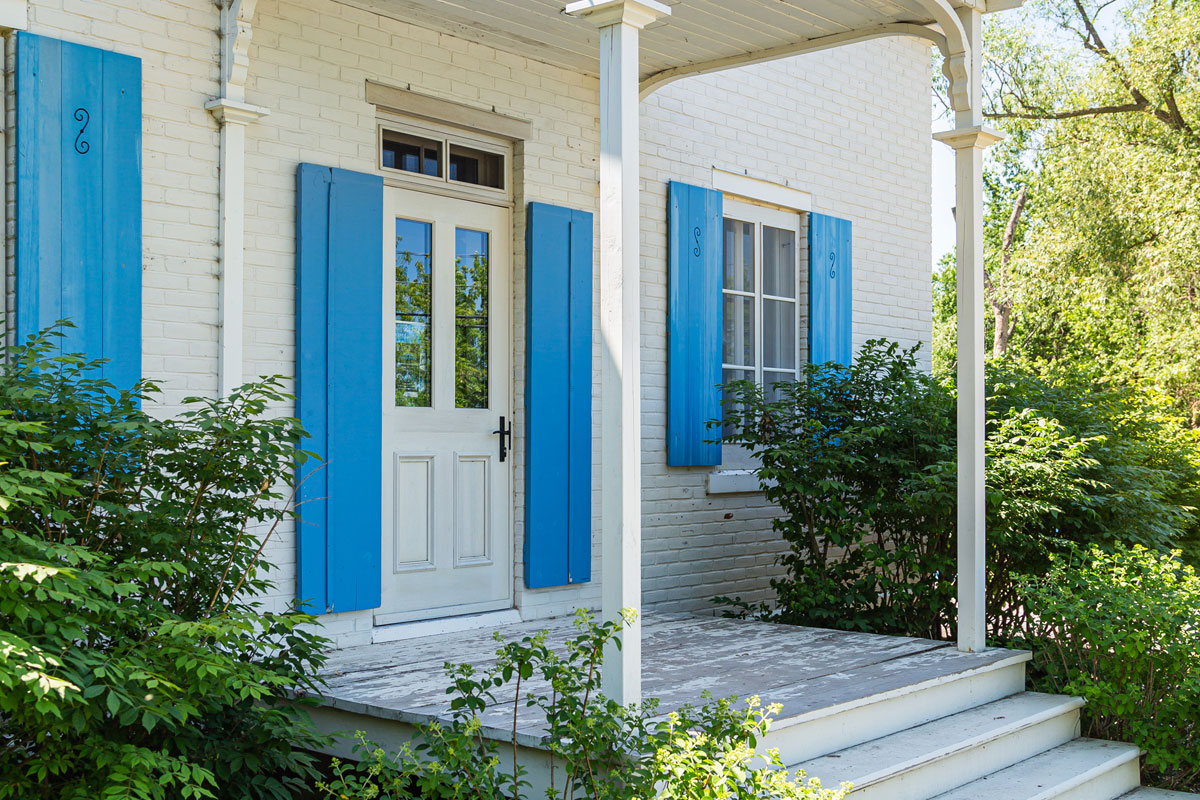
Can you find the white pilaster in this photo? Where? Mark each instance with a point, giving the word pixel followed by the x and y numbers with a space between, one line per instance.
pixel 233 114
pixel 969 139
pixel 620 283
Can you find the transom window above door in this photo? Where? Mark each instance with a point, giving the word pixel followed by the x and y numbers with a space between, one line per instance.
pixel 425 155
pixel 761 294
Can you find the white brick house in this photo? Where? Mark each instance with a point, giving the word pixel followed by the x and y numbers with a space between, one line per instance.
pixel 842 132
pixel 442 221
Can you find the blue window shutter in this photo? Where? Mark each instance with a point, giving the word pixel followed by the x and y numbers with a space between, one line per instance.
pixel 558 396
pixel 830 290
pixel 79 200
pixel 694 329
pixel 339 377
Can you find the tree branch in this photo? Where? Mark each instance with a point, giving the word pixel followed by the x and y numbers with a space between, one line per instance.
pixel 1093 42
pixel 1010 230
pixel 1043 114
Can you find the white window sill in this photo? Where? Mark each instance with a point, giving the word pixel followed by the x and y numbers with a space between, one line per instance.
pixel 733 481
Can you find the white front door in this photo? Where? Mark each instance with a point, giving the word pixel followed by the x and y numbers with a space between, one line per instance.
pixel 447 530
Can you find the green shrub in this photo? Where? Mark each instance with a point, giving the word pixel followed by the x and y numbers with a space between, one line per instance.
pixel 135 660
pixel 1122 630
pixel 1142 479
pixel 861 460
pixel 601 750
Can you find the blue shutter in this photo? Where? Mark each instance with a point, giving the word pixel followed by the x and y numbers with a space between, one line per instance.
pixel 79 200
pixel 339 366
pixel 694 264
pixel 830 290
pixel 558 397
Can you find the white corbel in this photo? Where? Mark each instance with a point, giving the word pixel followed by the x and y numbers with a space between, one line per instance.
pixel 237 30
pixel 233 114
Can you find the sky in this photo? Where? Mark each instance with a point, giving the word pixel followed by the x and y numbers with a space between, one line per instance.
pixel 943 200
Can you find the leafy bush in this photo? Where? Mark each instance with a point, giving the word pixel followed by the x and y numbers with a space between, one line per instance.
pixel 1122 630
pixel 607 751
pixel 135 660
pixel 854 457
pixel 861 460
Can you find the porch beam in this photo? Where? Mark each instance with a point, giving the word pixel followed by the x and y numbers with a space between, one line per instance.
pixel 620 22
pixel 813 45
pixel 233 114
pixel 969 139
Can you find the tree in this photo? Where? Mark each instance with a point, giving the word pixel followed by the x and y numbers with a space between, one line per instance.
pixel 1096 264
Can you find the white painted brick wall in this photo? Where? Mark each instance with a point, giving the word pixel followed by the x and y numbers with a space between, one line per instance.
pixel 850 125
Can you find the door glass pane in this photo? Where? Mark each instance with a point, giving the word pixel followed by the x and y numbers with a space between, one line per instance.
pixel 779 262
pixel 470 319
pixel 739 255
pixel 414 310
pixel 779 334
pixel 739 330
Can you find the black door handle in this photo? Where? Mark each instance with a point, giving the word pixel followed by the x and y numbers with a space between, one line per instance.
pixel 505 438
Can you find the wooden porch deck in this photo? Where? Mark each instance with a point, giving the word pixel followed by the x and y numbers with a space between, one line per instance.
pixel 810 671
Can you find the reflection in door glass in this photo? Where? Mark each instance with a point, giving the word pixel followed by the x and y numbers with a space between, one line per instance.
pixel 470 319
pixel 414 309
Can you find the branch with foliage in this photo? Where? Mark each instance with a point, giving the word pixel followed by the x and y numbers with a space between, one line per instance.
pixel 1121 629
pixel 861 461
pixel 599 749
pixel 136 659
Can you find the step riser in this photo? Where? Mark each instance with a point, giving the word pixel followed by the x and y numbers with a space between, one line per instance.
pixel 941 775
pixel 1107 786
pixel 808 740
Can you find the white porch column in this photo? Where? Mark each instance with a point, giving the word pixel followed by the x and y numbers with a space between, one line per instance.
pixel 233 114
pixel 619 22
pixel 969 139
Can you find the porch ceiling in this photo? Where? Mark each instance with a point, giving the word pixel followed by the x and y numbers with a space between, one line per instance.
pixel 698 31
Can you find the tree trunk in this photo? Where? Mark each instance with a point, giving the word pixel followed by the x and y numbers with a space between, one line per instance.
pixel 998 296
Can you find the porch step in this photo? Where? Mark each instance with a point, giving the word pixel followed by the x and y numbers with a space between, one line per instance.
pixel 1085 769
pixel 975 679
pixel 1157 794
pixel 923 761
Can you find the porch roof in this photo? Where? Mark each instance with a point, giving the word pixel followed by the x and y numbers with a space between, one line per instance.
pixel 697 34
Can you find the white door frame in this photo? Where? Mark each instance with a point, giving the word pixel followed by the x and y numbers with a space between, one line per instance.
pixel 421 444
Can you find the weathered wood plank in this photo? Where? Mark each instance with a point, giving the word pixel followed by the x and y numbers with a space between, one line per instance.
pixel 804 669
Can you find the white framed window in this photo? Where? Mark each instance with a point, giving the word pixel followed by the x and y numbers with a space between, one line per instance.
pixel 762 302
pixel 444 160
